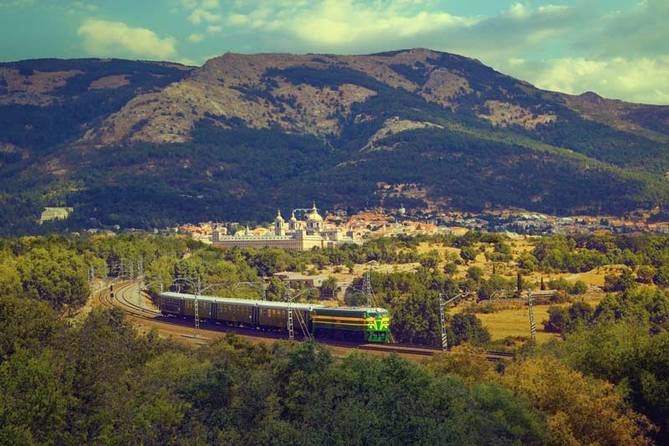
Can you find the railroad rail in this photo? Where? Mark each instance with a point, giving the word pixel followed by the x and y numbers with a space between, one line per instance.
pixel 118 298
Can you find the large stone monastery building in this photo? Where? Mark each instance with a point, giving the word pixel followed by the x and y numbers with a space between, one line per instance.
pixel 300 235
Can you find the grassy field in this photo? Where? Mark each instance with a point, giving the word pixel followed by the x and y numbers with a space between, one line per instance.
pixel 515 322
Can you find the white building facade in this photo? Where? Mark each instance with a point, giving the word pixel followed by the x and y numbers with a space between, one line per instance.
pixel 300 235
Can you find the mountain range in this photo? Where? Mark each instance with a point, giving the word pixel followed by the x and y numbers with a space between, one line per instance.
pixel 150 144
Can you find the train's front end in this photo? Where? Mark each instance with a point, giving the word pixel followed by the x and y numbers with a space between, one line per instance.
pixel 378 325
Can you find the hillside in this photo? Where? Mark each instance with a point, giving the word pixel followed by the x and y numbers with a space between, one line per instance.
pixel 149 144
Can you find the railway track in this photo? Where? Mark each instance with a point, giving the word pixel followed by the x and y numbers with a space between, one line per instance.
pixel 119 298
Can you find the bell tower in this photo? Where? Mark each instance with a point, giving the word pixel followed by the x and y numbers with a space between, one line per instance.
pixel 279 224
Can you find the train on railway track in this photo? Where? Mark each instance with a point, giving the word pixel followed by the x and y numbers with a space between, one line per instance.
pixel 363 324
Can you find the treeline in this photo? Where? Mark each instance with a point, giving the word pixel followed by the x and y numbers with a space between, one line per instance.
pixel 101 383
pixel 44 269
pixel 646 256
pixel 58 268
pixel 624 340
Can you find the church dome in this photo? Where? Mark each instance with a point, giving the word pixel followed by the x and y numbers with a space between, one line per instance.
pixel 314 215
pixel 279 218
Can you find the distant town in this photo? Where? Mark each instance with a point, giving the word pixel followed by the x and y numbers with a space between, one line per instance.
pixel 310 227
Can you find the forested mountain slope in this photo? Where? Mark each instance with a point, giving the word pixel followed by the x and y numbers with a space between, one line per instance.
pixel 148 144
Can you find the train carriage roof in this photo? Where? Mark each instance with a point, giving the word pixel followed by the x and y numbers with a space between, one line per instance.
pixel 350 310
pixel 237 301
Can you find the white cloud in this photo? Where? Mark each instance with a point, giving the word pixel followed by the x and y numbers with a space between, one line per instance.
pixel 340 22
pixel 633 79
pixel 196 37
pixel 332 24
pixel 214 29
pixel 116 39
pixel 368 26
pixel 200 15
pixel 519 11
pixel 202 11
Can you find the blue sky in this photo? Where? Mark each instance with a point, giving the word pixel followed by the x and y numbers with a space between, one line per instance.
pixel 617 48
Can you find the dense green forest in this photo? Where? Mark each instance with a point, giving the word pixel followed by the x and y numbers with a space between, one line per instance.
pixel 95 380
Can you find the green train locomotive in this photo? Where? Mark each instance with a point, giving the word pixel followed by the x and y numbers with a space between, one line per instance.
pixel 360 324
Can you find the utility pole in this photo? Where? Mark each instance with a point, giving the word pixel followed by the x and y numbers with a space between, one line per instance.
pixel 291 316
pixel 442 317
pixel 196 311
pixel 140 266
pixel 367 288
pixel 530 309
pixel 291 328
pixel 442 320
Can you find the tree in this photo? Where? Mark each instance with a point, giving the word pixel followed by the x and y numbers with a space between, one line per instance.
pixel 491 287
pixel 646 273
pixel 466 327
pixel 10 281
pixel 623 282
pixel 579 409
pixel 329 287
pixel 645 306
pixel 415 319
pixel 662 275
pixel 276 289
pixel 35 399
pixel 56 275
pixel 475 274
pixel 25 325
pixel 579 287
pixel 430 260
pixel 466 361
pixel 528 262
pixel 468 254
pixel 558 320
pixel 450 268
pixel 160 272
pixel 626 353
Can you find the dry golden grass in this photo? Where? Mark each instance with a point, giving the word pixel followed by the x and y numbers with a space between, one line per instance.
pixel 515 322
pixel 513 319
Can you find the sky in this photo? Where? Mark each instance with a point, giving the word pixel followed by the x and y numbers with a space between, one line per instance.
pixel 617 48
